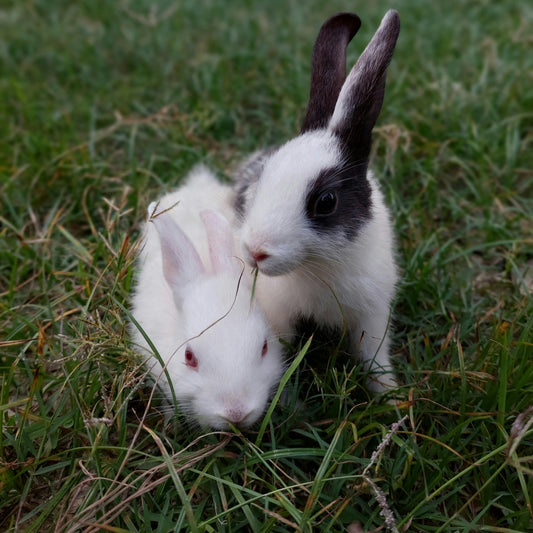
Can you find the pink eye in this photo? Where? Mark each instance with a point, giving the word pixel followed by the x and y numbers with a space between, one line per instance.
pixel 190 359
pixel 265 349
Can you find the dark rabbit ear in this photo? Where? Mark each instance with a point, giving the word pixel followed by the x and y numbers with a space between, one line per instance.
pixel 361 96
pixel 329 68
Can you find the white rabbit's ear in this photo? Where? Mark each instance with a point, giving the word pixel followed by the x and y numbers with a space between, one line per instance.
pixel 361 96
pixel 328 68
pixel 181 262
pixel 221 241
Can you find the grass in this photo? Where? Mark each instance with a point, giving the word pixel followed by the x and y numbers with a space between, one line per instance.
pixel 103 106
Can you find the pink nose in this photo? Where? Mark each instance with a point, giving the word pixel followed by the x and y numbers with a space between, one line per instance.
pixel 258 255
pixel 236 414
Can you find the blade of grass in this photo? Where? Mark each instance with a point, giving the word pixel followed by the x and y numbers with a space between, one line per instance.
pixel 193 525
pixel 286 376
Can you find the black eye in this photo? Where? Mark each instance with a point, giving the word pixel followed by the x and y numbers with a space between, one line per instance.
pixel 326 203
pixel 265 349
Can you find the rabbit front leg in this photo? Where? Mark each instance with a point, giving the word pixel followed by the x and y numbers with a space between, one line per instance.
pixel 370 341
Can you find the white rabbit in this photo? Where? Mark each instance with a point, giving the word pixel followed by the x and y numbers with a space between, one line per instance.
pixel 314 221
pixel 194 302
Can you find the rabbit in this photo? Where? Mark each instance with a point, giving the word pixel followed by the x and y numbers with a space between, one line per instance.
pixel 193 300
pixel 313 220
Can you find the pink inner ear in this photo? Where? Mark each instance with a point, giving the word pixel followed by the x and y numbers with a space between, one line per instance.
pixel 221 241
pixel 181 262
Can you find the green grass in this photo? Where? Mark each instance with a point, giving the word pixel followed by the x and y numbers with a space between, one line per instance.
pixel 105 105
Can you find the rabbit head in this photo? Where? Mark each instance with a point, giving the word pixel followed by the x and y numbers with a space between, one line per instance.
pixel 227 361
pixel 313 194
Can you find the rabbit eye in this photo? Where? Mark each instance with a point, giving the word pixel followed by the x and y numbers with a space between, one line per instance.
pixel 326 204
pixel 265 349
pixel 190 359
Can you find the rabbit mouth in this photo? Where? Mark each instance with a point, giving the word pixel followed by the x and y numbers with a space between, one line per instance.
pixel 272 261
pixel 223 419
pixel 273 266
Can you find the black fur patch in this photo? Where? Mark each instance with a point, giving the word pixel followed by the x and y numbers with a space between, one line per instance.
pixel 354 202
pixel 240 198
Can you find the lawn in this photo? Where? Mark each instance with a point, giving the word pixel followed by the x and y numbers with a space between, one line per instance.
pixel 106 105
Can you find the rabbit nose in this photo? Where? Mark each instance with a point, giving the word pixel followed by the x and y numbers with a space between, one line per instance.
pixel 258 255
pixel 235 414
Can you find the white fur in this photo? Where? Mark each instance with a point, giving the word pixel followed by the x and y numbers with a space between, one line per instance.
pixel 199 303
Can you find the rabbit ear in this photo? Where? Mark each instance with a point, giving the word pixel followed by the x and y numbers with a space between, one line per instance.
pixel 329 68
pixel 181 262
pixel 220 239
pixel 361 96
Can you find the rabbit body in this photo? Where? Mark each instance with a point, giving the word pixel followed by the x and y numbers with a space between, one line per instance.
pixel 194 302
pixel 313 218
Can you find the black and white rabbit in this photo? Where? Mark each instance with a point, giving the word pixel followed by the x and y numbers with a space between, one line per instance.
pixel 313 217
pixel 193 299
